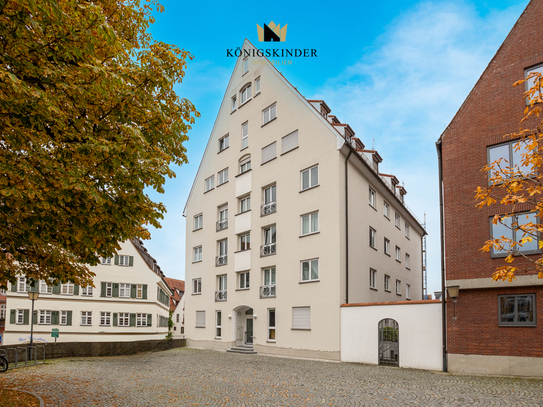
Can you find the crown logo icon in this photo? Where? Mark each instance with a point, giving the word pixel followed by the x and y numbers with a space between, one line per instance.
pixel 272 32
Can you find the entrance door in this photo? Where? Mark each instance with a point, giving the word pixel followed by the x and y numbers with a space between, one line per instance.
pixel 388 342
pixel 249 331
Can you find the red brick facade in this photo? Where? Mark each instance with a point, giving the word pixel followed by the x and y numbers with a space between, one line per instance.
pixel 493 108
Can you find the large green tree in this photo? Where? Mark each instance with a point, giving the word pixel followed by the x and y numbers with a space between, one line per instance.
pixel 88 119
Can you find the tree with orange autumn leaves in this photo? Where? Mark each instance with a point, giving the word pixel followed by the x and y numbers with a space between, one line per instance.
pixel 515 185
pixel 89 119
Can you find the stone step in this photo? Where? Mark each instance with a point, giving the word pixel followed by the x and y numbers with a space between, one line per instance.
pixel 242 349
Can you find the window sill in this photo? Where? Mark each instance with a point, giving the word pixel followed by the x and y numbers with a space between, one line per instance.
pixel 407 238
pixel 373 207
pixel 199 326
pixel 244 172
pixel 397 227
pixel 241 213
pixel 233 111
pixel 105 325
pixel 244 103
pixel 242 251
pixel 197 261
pixel 516 325
pixel 67 294
pixel 274 158
pixel 268 122
pixel 196 294
pixel 242 289
pixel 225 182
pixel 194 230
pixel 374 248
pixel 408 268
pixel 308 281
pixel 398 294
pixel 270 341
pixel 257 93
pixel 309 234
pixel 218 338
pixel 209 190
pixel 286 152
pixel 300 329
pixel 374 289
pixel 307 189
pixel 243 148
pixel 399 261
pixel 387 290
pixel 388 254
pixel 220 151
pixel 387 217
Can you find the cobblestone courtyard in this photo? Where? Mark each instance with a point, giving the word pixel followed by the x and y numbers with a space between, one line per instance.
pixel 192 377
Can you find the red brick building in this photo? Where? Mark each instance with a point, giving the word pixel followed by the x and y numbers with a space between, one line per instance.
pixel 493 327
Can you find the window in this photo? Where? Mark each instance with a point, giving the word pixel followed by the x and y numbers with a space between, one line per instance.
pixel 301 318
pixel 198 222
pixel 270 200
pixel 407 230
pixel 245 65
pixel 109 289
pixel 310 270
pixel 223 217
pixel 244 204
pixel 310 223
pixel 387 283
pixel 224 143
pixel 517 309
pixel 22 287
pixel 67 289
pixel 244 280
pixel 257 85
pixel 87 291
pixel 218 324
pixel 141 319
pixel 398 254
pixel 124 260
pixel 20 316
pixel 105 318
pixel 124 290
pixel 244 136
pixel 386 209
pixel 269 276
pixel 222 177
pixel 398 287
pixel 209 183
pixel 124 319
pixel 269 241
pixel 310 177
pixel 233 103
pixel 511 156
pixel 86 317
pixel 200 319
pixel 106 261
pixel 269 114
pixel 271 324
pixel 289 142
pixel 2 311
pixel 407 289
pixel 407 261
pixel 45 317
pixel 139 291
pixel 373 278
pixel 245 165
pixel 45 288
pixel 373 236
pixel 397 220
pixel 197 254
pixel 245 94
pixel 222 249
pixel 268 153
pixel 63 317
pixel 387 246
pixel 511 228
pixel 177 318
pixel 372 198
pixel 221 283
pixel 197 286
pixel 245 242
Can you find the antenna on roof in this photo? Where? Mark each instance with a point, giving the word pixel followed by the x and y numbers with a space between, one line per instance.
pixel 373 144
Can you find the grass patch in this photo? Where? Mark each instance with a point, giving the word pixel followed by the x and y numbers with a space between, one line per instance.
pixel 14 398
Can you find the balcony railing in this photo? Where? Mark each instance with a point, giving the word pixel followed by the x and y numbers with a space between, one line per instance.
pixel 221 260
pixel 220 295
pixel 222 224
pixel 268 208
pixel 267 249
pixel 267 291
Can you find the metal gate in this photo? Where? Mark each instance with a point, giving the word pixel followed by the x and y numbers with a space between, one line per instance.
pixel 388 342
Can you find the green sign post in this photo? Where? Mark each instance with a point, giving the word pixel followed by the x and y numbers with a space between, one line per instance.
pixel 54 334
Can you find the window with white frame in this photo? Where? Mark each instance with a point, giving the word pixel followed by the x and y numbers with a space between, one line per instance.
pixel 398 254
pixel 45 288
pixel 269 197
pixel 511 155
pixel 86 291
pixel 269 153
pixel 141 319
pixel 222 177
pixel 245 242
pixel 198 222
pixel 20 316
pixel 407 261
pixel 387 246
pixel 209 183
pixel 197 254
pixel 139 291
pixel 63 317
pixel 398 287
pixel 124 290
pixel 244 136
pixel 387 283
pixel 223 217
pixel 124 319
pixel 269 237
pixel 67 289
pixel 373 237
pixel 386 210
pixel 245 65
pixel 2 311
pixel 45 317
pixel 244 280
pixel 373 278
pixel 269 276
pixel 257 85
pixel 106 261
pixel 511 228
pixel 22 287
pixel 197 286
pixel 233 103
pixel 244 204
pixel 269 114
pixel 218 324
pixel 397 220
pixel 109 289
pixel 86 317
pixel 223 248
pixel 245 165
pixel 105 318
pixel 289 142
pixel 271 324
pixel 310 177
pixel 407 231
pixel 224 143
pixel 310 270
pixel 124 260
pixel 200 319
pixel 407 289
pixel 221 283
pixel 301 318
pixel 310 223
pixel 245 94
pixel 372 198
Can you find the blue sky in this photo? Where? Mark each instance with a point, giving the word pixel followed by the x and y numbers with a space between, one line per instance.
pixel 395 71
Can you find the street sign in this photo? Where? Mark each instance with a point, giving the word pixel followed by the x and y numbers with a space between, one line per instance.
pixel 54 333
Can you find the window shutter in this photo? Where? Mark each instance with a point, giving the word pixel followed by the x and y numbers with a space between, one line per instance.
pixel 114 319
pixel 145 291
pixel 133 288
pixel 14 288
pixel 34 288
pixel 35 317
pixel 56 288
pixel 268 153
pixel 289 142
pixel 131 261
pixel 12 316
pixel 54 317
pixel 103 290
pixel 69 318
pixel 201 319
pixel 116 259
pixel 76 289
pixel 132 319
pixel 25 316
pixel 115 290
pixel 149 319
pixel 301 318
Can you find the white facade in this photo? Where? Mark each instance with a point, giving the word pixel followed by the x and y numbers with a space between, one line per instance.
pixel 266 226
pixel 129 302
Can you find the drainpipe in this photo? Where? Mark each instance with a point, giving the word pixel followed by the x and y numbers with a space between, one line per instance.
pixel 347 228
pixel 442 237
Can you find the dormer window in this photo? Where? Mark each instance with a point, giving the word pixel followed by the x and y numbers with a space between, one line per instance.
pixel 245 94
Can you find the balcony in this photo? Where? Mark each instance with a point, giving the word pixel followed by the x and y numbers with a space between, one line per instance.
pixel 268 208
pixel 267 249
pixel 267 291
pixel 221 260
pixel 222 224
pixel 220 295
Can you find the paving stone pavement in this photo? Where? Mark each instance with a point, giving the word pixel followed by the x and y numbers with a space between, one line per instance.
pixel 193 377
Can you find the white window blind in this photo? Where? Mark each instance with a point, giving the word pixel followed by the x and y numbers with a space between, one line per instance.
pixel 268 153
pixel 289 142
pixel 200 319
pixel 301 318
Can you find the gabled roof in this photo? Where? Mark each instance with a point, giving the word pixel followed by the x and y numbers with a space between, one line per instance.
pixel 150 260
pixel 175 286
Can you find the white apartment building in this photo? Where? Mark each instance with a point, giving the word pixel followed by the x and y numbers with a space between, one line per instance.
pixel 129 302
pixel 287 219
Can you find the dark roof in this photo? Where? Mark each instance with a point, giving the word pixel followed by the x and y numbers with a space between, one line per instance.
pixel 150 260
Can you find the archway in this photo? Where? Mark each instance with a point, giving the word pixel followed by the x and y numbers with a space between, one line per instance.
pixel 389 349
